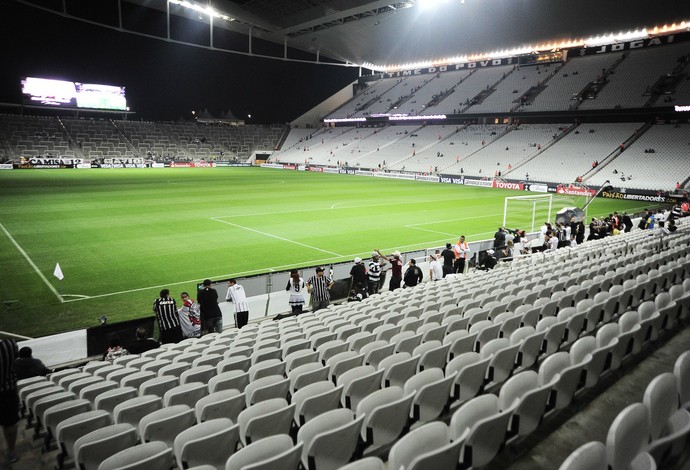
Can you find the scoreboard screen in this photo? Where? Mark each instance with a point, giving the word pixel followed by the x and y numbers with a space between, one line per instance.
pixel 62 93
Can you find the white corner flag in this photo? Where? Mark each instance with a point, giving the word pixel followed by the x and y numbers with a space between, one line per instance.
pixel 58 272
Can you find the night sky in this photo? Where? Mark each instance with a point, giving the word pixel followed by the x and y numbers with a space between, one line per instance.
pixel 164 81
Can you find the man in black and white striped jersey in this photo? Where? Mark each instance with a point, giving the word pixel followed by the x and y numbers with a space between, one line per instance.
pixel 318 286
pixel 168 319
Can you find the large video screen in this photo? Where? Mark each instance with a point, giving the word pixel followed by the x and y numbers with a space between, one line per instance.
pixel 61 93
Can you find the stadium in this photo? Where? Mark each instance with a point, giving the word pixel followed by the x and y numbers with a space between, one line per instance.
pixel 149 145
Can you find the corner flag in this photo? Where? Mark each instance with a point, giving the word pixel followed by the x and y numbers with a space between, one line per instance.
pixel 58 272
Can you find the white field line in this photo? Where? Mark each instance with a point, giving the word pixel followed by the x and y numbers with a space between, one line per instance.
pixel 33 265
pixel 276 236
pixel 336 206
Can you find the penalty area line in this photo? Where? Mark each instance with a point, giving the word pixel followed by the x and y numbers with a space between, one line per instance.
pixel 33 265
pixel 276 237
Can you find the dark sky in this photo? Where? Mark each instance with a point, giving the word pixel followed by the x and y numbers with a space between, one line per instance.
pixel 163 80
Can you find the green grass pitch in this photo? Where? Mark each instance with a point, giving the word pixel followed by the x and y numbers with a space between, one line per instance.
pixel 122 235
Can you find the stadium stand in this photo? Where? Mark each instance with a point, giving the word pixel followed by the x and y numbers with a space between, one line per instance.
pixel 646 301
pixel 665 145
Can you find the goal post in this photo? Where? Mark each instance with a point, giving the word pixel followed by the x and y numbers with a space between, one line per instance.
pixel 525 209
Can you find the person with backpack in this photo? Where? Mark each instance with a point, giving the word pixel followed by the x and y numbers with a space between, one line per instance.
pixel 190 317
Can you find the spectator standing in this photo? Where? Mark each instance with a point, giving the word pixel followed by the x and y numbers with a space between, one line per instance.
pixel 462 250
pixel 413 275
pixel 143 342
pixel 26 366
pixel 374 272
pixel 296 288
pixel 358 277
pixel 237 296
pixel 165 309
pixel 448 258
pixel 211 316
pixel 435 268
pixel 190 317
pixel 9 399
pixel 318 286
pixel 396 270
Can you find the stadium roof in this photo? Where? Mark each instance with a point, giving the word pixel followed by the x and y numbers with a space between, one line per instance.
pixel 390 33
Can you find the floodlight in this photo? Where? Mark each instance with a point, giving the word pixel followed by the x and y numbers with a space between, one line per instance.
pixel 428 4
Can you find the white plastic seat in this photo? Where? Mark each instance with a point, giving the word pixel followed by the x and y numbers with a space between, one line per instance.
pixel 398 368
pixel 469 375
pixel 432 393
pixel 128 359
pixel 69 430
pixel 221 404
pixel 120 374
pixel 587 345
pixel 342 362
pixel 110 399
pixel 502 356
pixel 93 448
pixel 131 411
pixel 234 363
pixel 558 371
pixel 266 418
pixel 135 380
pixel 149 456
pixel 330 439
pixel 357 340
pixel 266 368
pixel 266 353
pixel 330 349
pixel 61 411
pixel 461 341
pixel 531 402
pixel 39 407
pixel 300 357
pixel 661 399
pixel 209 443
pixel 158 385
pixel 483 426
pixel 198 374
pixel 376 351
pixel 358 383
pixel 306 374
pixel 681 370
pixel 590 456
pixel 175 369
pixel 229 380
pixel 425 448
pixel 530 343
pixel 574 323
pixel 67 380
pixel 185 394
pixel 627 437
pixel 386 414
pixel 165 424
pixel 155 365
pixel 208 359
pixel 271 453
pixel 315 399
pixel 265 388
pixel 432 353
pixel 555 332
pixel 90 392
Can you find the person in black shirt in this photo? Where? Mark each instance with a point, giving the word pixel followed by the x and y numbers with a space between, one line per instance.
pixel 358 274
pixel 413 275
pixel 143 342
pixel 211 316
pixel 448 258
pixel 27 366
pixel 9 399
pixel 165 308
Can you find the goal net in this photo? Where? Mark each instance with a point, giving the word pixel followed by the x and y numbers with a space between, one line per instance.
pixel 527 212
